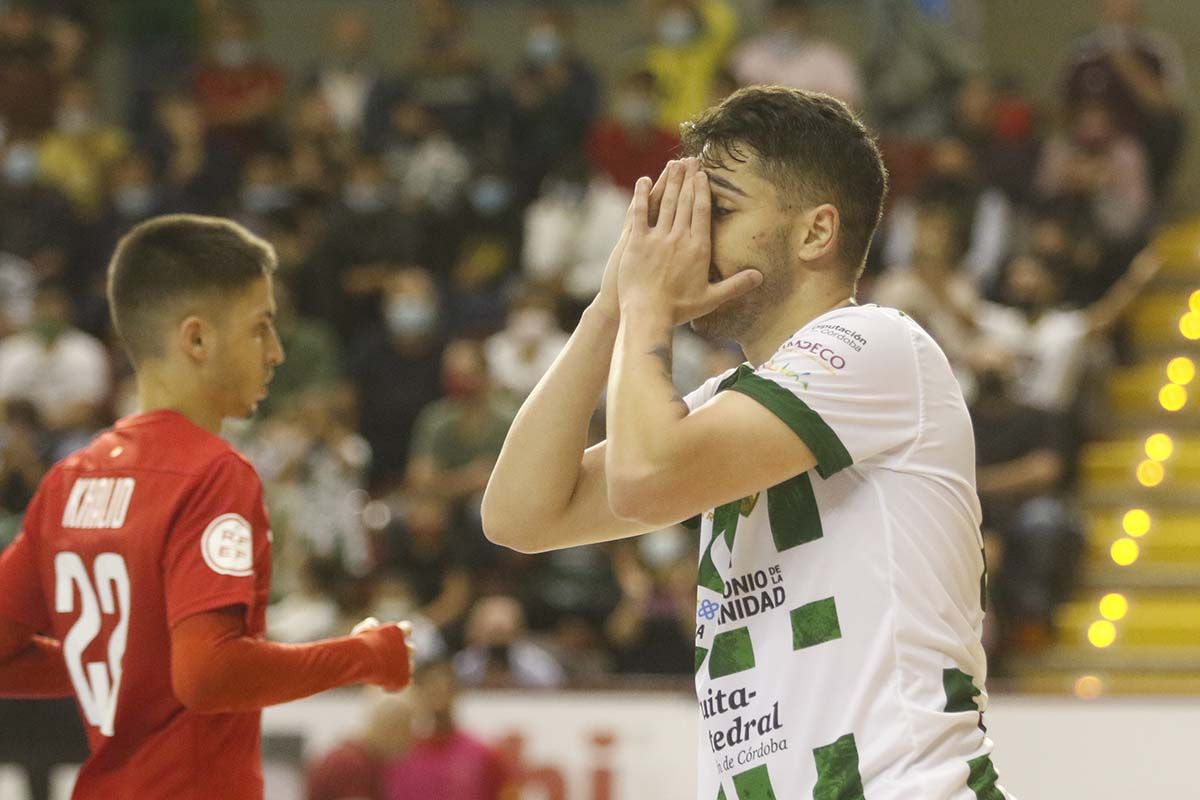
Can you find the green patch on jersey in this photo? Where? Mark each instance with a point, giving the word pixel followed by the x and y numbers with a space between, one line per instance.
pixel 815 623
pixel 721 793
pixel 754 784
pixel 792 510
pixel 960 690
pixel 732 652
pixel 982 779
pixel 838 777
pixel 701 652
pixel 832 456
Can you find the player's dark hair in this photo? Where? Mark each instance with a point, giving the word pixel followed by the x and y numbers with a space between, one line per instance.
pixel 174 258
pixel 811 146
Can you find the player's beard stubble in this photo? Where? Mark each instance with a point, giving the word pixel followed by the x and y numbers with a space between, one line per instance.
pixel 738 318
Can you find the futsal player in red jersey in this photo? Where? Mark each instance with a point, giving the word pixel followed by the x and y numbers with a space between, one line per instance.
pixel 140 578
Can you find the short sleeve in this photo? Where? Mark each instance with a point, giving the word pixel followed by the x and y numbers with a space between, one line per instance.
pixel 847 386
pixel 706 391
pixel 218 544
pixel 22 599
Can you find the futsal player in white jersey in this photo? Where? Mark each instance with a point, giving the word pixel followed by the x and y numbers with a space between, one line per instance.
pixel 831 477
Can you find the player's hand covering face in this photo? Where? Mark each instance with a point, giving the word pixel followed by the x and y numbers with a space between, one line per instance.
pixel 666 258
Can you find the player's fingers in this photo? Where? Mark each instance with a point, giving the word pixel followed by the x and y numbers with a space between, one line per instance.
pixel 666 212
pixel 687 198
pixel 702 209
pixel 732 287
pixel 405 626
pixel 656 192
pixel 365 625
pixel 641 200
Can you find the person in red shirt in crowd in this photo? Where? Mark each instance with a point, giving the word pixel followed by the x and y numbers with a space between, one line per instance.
pixel 629 143
pixel 354 769
pixel 238 90
pixel 139 581
pixel 443 762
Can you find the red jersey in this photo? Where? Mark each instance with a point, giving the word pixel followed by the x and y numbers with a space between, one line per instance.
pixel 155 521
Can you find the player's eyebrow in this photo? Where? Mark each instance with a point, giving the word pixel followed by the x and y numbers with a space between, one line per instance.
pixel 726 184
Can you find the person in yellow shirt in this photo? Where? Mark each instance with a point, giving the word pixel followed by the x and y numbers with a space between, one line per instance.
pixel 693 38
pixel 78 154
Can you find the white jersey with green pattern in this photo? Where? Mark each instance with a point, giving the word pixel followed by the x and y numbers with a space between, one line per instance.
pixel 839 614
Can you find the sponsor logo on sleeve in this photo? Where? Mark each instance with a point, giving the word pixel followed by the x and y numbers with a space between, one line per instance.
pixel 843 334
pixel 821 351
pixel 228 546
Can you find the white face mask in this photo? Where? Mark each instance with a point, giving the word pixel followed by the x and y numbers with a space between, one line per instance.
pixel 676 27
pixel 544 45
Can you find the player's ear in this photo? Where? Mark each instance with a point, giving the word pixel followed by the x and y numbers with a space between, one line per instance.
pixel 193 338
pixel 818 229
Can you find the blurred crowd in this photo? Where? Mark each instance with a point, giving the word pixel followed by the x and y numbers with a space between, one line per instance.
pixel 440 226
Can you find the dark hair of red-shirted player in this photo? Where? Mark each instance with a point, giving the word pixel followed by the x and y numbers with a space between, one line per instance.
pixel 191 298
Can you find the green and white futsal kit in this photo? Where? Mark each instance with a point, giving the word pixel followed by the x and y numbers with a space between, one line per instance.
pixel 839 613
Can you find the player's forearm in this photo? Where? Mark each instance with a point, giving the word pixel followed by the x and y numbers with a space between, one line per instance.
pixel 643 407
pixel 37 671
pixel 538 469
pixel 216 668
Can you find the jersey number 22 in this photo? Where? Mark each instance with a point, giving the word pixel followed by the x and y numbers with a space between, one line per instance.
pixel 105 590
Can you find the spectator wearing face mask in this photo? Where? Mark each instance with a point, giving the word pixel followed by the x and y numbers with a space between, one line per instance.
pixel 787 53
pixel 555 97
pixel 457 439
pixel 652 628
pixel 368 238
pixel 570 231
pixel 630 142
pixel 265 192
pixel 239 90
pixel 693 38
pixel 37 222
pixel 354 769
pixel 519 355
pixel 63 371
pixel 396 371
pixel 79 153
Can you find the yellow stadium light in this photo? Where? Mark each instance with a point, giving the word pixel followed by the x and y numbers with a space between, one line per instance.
pixel 1159 447
pixel 1136 522
pixel 1189 325
pixel 1113 606
pixel 1088 687
pixel 1101 633
pixel 1150 473
pixel 1124 552
pixel 1194 301
pixel 1172 397
pixel 1181 370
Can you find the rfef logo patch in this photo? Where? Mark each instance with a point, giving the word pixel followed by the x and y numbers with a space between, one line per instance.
pixel 228 546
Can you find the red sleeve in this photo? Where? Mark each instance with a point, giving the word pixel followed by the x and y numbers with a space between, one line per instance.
pixel 21 596
pixel 31 666
pixel 217 543
pixel 216 667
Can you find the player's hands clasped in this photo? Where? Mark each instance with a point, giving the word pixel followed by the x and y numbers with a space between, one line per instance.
pixel 665 259
pixel 391 645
